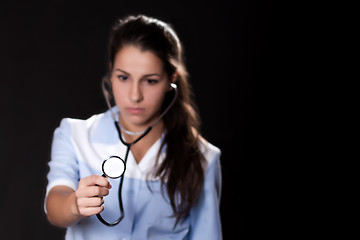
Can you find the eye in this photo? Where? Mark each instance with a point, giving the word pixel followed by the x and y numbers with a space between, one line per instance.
pixel 152 81
pixel 122 77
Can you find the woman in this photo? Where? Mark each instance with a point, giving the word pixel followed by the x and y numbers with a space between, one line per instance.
pixel 171 186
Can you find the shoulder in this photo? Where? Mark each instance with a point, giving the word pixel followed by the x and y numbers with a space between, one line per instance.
pixel 210 151
pixel 212 166
pixel 88 123
pixel 96 126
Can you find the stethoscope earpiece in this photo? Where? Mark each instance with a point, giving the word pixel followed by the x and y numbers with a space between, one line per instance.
pixel 173 85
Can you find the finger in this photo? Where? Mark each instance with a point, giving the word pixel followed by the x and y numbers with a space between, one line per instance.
pixel 95 180
pixel 92 191
pixel 90 202
pixel 89 211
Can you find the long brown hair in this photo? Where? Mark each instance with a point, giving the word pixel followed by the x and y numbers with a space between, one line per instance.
pixel 182 168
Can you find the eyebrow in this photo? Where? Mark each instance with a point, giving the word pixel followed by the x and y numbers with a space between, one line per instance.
pixel 146 75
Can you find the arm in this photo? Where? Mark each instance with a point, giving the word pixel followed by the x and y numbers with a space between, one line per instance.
pixel 61 206
pixel 69 199
pixel 205 217
pixel 65 206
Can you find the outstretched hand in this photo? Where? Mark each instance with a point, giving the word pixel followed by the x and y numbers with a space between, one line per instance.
pixel 90 195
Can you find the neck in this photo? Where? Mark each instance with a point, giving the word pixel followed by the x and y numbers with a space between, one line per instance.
pixel 132 133
pixel 139 148
pixel 155 133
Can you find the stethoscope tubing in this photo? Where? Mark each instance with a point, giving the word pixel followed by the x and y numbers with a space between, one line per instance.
pixel 128 145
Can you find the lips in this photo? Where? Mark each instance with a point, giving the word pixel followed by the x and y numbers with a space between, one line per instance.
pixel 135 111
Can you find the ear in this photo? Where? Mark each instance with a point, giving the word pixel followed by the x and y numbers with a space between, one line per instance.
pixel 174 77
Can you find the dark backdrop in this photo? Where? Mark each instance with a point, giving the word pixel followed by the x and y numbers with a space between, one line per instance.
pixel 52 59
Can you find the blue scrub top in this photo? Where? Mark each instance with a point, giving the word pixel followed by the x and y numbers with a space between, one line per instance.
pixel 78 150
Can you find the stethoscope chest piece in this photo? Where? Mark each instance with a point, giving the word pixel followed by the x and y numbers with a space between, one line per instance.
pixel 113 167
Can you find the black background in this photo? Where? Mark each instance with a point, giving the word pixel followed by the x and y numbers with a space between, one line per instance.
pixel 52 59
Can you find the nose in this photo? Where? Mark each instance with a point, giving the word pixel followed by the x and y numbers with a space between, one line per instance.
pixel 136 93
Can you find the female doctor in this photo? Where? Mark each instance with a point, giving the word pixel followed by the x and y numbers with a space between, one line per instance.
pixel 171 186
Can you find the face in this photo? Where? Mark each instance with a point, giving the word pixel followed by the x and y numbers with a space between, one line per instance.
pixel 139 86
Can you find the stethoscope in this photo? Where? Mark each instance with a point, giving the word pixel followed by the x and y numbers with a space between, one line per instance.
pixel 114 167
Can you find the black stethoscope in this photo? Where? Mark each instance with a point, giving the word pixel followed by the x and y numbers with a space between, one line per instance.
pixel 114 167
